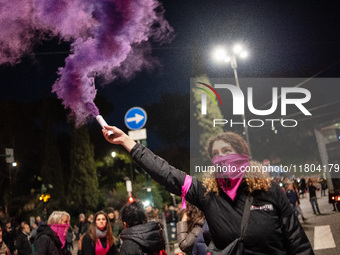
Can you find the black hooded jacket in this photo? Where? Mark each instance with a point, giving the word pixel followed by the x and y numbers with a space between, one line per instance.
pixel 142 239
pixel 46 242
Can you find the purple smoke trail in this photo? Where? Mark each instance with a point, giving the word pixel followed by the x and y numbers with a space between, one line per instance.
pixel 15 30
pixel 109 39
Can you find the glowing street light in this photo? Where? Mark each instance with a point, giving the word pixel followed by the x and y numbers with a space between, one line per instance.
pixel 237 51
pixel 220 54
pixel 113 154
pixel 237 48
pixel 244 54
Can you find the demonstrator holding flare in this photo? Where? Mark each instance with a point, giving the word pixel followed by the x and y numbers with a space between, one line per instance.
pixel 273 225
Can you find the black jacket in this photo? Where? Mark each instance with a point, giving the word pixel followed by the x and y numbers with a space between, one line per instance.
pixel 9 238
pixel 88 246
pixel 23 245
pixel 292 196
pixel 48 243
pixel 312 191
pixel 142 239
pixel 273 226
pixel 83 227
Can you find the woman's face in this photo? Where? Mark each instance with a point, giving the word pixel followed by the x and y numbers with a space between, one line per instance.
pixel 221 148
pixel 65 219
pixel 101 221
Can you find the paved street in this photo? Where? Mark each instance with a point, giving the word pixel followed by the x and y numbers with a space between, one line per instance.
pixel 75 248
pixel 323 230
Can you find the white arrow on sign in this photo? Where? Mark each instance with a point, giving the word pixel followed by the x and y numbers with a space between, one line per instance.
pixel 138 118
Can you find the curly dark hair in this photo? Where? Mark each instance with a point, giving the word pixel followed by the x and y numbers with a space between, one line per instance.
pixel 133 214
pixel 194 215
pixel 235 140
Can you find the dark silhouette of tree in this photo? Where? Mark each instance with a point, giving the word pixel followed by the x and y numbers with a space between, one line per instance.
pixel 51 168
pixel 83 184
pixel 169 119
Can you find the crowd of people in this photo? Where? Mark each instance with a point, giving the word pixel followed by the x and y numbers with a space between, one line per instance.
pixel 214 218
pixel 99 233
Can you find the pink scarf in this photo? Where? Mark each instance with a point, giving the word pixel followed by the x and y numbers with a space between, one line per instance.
pixel 185 188
pixel 230 170
pixel 100 249
pixel 61 231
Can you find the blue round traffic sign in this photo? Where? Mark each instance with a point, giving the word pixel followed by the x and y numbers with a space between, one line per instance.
pixel 135 118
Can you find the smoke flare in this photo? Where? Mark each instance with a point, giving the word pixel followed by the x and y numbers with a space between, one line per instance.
pixel 109 38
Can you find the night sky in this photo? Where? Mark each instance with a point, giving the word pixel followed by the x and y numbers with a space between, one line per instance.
pixel 285 39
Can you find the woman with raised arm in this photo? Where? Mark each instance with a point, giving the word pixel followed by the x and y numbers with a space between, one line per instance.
pixel 231 199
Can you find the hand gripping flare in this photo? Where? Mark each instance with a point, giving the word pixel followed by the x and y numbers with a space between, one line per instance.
pixel 103 123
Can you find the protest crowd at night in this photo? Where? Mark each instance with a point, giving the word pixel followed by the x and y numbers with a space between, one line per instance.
pixel 169 127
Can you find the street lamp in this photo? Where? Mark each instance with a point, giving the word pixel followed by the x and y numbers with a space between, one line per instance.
pixel 113 154
pixel 221 54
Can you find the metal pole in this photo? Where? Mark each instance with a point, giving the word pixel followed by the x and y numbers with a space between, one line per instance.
pixel 234 66
pixel 10 181
pixel 167 246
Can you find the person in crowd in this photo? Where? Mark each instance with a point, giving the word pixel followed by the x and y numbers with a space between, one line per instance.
pixel 223 198
pixel 69 238
pixel 293 199
pixel 23 243
pixel 39 221
pixel 90 218
pixel 172 214
pixel 111 214
pixel 20 227
pixel 140 236
pixel 3 247
pixel 9 236
pixel 82 226
pixel 303 186
pixel 324 186
pixel 117 227
pixel 151 214
pixel 51 237
pixel 99 239
pixel 188 230
pixel 312 197
pixel 167 214
pixel 34 232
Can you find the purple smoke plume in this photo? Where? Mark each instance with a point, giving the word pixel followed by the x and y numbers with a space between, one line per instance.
pixel 109 38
